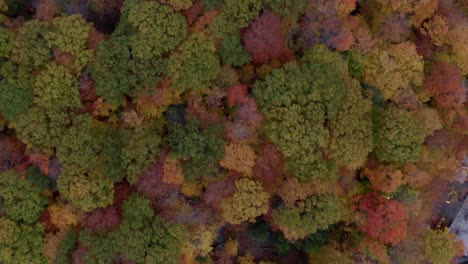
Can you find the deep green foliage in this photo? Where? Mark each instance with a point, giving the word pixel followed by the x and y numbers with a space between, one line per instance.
pixel 20 200
pixel 286 8
pixel 209 5
pixel 298 102
pixel 194 64
pixel 351 139
pixel 81 144
pixel 198 149
pixel 66 248
pixel 142 144
pixel 117 74
pixel 41 130
pixel 232 52
pixel 6 42
pixel 398 136
pixel 142 237
pixel 15 90
pixel 318 212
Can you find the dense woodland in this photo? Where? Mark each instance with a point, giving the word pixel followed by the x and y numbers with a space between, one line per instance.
pixel 231 131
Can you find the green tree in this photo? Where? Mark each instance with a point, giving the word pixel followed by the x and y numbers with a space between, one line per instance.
pixel 439 246
pixel 66 248
pixel 398 136
pixel 6 42
pixel 156 29
pixel 351 130
pixel 81 144
pixel 248 202
pixel 70 34
pixel 194 64
pixel 304 105
pixel 41 130
pixel 142 144
pixel 87 189
pixel 15 90
pixel 317 212
pixel 21 243
pixel 118 74
pixel 20 200
pixel 235 15
pixel 30 46
pixel 142 237
pixel 287 8
pixel 55 88
pixel 232 52
pixel 198 149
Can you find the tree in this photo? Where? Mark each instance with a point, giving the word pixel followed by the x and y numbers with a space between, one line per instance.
pixel 142 144
pixel 41 130
pixel 323 23
pixel 63 216
pixel 239 157
pixel 437 29
pixel 12 152
pixel 103 219
pixel 305 99
pixel 198 149
pixel 394 68
pixel 117 73
pixel 16 95
pixel 248 202
pixel 265 39
pixel 179 4
pixel 87 189
pixel 445 84
pixel 439 246
pixel 81 143
pixel 246 121
pixel 55 88
pixel 232 52
pixel 31 49
pixel 316 212
pixel 351 130
pixel 21 200
pixel 142 237
pixel 6 42
pixel 194 64
pixel 384 178
pixel 69 34
pixel 153 28
pixel 268 166
pixel 398 136
pixel 382 219
pixel 286 8
pixel 235 15
pixel 21 243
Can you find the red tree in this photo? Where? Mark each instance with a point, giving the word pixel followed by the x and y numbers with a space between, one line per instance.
pixel 12 152
pixel 269 166
pixel 445 84
pixel 237 94
pixel 103 219
pixel 383 219
pixel 265 39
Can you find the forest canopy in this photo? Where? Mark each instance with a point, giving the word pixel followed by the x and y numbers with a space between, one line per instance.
pixel 232 131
